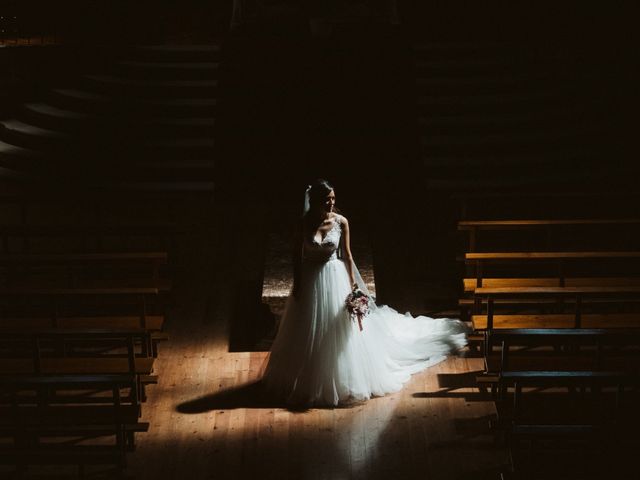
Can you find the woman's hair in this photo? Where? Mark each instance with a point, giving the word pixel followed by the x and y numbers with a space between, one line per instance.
pixel 320 188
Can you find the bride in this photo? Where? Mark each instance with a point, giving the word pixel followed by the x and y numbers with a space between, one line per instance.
pixel 320 357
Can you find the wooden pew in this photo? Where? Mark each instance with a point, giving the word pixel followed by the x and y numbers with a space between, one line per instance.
pixel 43 416
pixel 568 359
pixel 479 321
pixel 143 204
pixel 65 268
pixel 98 351
pixel 613 299
pixel 590 357
pixel 558 259
pixel 549 227
pixel 138 296
pixel 567 202
pixel 557 265
pixel 19 238
pixel 558 320
pixel 31 310
pixel 151 323
pixel 79 352
pixel 578 294
pixel 470 284
pixel 579 388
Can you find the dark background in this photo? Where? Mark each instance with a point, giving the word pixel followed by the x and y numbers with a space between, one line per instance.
pixel 350 106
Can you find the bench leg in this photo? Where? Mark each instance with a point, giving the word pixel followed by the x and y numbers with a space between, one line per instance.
pixel 21 470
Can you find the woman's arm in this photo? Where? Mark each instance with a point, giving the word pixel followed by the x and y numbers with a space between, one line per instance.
pixel 346 250
pixel 297 257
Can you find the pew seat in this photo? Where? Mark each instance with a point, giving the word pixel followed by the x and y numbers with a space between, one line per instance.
pixel 601 320
pixel 75 366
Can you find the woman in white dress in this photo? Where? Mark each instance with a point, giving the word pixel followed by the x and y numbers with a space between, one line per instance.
pixel 319 356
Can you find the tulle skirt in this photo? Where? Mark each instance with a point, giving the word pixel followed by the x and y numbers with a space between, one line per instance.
pixel 321 358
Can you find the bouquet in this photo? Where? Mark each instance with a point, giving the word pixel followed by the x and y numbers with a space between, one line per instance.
pixel 358 305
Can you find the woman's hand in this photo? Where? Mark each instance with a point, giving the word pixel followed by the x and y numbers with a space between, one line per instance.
pixel 354 286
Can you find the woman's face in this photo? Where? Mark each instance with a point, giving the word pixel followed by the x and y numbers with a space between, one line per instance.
pixel 329 201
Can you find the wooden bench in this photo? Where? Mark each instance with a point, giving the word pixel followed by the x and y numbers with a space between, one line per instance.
pixel 615 300
pixel 577 294
pixel 558 320
pixel 589 356
pixel 77 352
pixel 566 202
pixel 96 200
pixel 568 359
pixel 470 284
pixel 65 269
pixel 474 227
pixel 559 277
pixel 35 409
pixel 48 348
pixel 36 309
pixel 558 259
pixel 151 323
pixel 138 296
pixel 92 238
pixel 574 391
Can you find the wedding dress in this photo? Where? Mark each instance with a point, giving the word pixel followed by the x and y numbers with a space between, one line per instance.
pixel 321 358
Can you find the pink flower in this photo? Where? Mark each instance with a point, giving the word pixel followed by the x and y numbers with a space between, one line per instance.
pixel 357 304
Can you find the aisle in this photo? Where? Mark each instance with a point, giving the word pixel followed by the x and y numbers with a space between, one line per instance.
pixel 207 421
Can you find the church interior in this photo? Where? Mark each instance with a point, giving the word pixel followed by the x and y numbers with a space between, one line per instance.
pixel 153 161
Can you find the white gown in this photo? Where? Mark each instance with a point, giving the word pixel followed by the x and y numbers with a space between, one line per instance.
pixel 321 358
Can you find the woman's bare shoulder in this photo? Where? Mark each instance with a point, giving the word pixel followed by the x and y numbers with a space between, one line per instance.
pixel 341 219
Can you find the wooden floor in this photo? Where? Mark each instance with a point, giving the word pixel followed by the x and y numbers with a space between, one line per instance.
pixel 424 431
pixel 207 421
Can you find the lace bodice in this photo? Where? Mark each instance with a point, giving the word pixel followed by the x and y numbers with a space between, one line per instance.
pixel 325 249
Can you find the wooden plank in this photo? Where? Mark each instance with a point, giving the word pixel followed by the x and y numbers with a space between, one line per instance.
pixel 61 280
pixel 75 429
pixel 541 194
pixel 77 454
pixel 61 414
pixel 31 381
pixel 524 321
pixel 76 365
pixel 136 280
pixel 608 320
pixel 470 283
pixel 153 322
pixel 23 258
pixel 529 336
pixel 562 375
pixel 555 290
pixel 547 361
pixel 547 255
pixel 78 291
pixel 515 224
pixel 107 230
pixel 278 445
pixel 77 333
pixel 469 302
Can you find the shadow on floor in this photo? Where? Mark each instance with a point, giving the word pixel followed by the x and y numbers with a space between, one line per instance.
pixel 449 382
pixel 249 395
